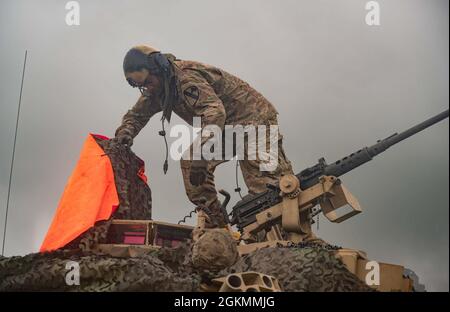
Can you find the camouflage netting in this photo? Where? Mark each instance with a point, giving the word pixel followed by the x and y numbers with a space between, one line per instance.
pixel 47 272
pixel 297 269
pixel 135 197
pixel 134 194
pixel 300 269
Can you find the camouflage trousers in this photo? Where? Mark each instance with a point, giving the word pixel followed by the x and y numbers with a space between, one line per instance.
pixel 255 179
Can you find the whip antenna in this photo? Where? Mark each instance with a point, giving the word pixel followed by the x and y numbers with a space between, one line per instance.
pixel 13 152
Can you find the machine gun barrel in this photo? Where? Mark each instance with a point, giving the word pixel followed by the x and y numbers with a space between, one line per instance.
pixel 310 176
pixel 244 211
pixel 395 138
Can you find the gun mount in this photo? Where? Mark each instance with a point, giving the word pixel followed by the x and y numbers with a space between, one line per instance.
pixel 289 206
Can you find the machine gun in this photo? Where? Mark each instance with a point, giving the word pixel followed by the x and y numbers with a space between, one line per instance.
pixel 284 211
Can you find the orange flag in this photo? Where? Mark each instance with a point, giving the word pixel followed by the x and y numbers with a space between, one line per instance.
pixel 89 196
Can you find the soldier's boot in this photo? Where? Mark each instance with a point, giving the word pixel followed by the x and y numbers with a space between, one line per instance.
pixel 215 218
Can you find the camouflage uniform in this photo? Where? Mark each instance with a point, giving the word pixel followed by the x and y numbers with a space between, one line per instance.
pixel 219 98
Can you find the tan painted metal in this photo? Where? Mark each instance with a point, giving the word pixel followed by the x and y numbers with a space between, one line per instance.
pixel 247 282
pixel 341 198
pixel 133 250
pixel 245 249
pixel 124 250
pixel 294 210
pixel 391 275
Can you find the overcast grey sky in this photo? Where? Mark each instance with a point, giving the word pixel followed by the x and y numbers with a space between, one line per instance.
pixel 337 83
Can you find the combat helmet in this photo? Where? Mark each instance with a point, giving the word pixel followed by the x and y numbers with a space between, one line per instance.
pixel 149 58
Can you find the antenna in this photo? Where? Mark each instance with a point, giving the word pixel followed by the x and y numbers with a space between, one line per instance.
pixel 13 153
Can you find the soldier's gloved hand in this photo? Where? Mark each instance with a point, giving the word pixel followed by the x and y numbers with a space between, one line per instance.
pixel 125 139
pixel 199 171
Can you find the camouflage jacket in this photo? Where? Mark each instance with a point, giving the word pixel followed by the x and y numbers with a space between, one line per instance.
pixel 204 91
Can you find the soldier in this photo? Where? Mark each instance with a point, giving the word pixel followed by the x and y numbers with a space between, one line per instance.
pixel 192 89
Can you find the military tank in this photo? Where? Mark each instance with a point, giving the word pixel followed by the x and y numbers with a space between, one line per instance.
pixel 273 249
